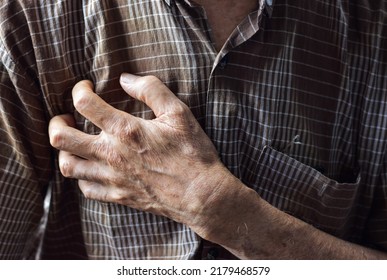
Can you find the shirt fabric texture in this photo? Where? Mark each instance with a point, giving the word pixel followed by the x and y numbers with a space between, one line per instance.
pixel 295 103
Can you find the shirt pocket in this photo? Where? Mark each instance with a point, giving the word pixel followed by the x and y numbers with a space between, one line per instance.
pixel 306 193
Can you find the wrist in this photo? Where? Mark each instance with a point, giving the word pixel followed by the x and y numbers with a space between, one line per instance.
pixel 229 213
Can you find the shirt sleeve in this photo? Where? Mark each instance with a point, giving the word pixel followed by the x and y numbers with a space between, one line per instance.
pixel 30 227
pixel 25 157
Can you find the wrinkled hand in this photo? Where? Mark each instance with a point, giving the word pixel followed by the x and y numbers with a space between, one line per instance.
pixel 167 166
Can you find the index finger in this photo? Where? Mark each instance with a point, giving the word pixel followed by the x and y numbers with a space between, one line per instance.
pixel 152 92
pixel 93 107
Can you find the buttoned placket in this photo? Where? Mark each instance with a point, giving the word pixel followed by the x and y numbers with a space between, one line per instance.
pixel 244 31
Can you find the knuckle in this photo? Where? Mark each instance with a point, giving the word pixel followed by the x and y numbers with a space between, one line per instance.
pixel 118 196
pixel 115 159
pixel 121 127
pixel 145 84
pixel 87 191
pixel 66 168
pixel 129 132
pixel 181 117
pixel 81 99
pixel 99 148
pixel 180 109
pixel 56 138
pixel 111 156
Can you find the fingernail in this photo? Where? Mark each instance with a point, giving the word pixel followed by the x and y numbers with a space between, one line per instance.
pixel 127 78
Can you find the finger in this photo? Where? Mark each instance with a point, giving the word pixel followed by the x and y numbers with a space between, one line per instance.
pixel 65 120
pixel 72 166
pixel 152 92
pixel 94 108
pixel 67 138
pixel 110 193
pixel 95 191
pixel 92 178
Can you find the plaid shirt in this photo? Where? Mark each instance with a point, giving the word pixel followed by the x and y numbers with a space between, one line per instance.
pixel 295 103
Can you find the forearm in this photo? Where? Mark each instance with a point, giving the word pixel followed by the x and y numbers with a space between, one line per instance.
pixel 251 228
pixel 169 166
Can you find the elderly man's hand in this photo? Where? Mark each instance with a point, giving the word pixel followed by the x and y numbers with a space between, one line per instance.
pixel 167 166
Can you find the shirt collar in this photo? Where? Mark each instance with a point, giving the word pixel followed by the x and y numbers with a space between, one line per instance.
pixel 268 6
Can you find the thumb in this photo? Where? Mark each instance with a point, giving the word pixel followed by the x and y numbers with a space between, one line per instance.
pixel 151 91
